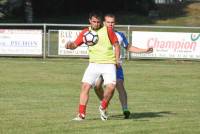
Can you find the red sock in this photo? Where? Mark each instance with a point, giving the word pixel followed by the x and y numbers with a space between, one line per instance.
pixel 82 109
pixel 104 104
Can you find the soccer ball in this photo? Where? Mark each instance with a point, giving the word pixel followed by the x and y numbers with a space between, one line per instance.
pixel 90 38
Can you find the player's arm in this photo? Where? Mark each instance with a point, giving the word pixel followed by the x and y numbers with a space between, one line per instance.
pixel 134 49
pixel 114 40
pixel 131 48
pixel 77 42
pixel 117 53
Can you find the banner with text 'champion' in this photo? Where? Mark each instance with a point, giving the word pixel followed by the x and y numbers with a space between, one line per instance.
pixel 168 44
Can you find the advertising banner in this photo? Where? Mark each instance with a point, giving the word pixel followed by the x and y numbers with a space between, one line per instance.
pixel 20 41
pixel 70 35
pixel 168 44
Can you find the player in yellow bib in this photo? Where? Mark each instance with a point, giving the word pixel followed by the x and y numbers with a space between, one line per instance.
pixel 103 60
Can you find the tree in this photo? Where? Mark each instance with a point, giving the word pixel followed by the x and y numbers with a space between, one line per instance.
pixel 53 8
pixel 28 10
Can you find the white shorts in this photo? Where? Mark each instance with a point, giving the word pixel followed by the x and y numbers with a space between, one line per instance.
pixel 94 70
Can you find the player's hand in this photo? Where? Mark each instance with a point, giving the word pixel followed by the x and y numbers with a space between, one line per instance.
pixel 119 63
pixel 149 50
pixel 70 45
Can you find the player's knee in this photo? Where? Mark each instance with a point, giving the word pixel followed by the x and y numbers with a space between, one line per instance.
pixel 97 87
pixel 111 86
pixel 85 87
pixel 120 84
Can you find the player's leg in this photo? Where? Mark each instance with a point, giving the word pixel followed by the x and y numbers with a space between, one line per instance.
pixel 108 94
pixel 87 82
pixel 84 97
pixel 122 92
pixel 123 98
pixel 99 87
pixel 109 76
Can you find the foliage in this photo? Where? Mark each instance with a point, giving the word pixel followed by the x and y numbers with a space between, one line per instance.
pixel 188 15
pixel 11 7
pixel 3 1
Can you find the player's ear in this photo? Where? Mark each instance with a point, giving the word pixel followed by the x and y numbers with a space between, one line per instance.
pixel 89 21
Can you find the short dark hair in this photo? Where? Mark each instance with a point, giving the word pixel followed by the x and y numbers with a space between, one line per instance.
pixel 109 15
pixel 96 14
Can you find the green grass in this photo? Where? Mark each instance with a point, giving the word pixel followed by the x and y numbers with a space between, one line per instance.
pixel 41 97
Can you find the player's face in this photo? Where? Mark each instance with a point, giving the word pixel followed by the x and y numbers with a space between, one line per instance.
pixel 109 22
pixel 95 23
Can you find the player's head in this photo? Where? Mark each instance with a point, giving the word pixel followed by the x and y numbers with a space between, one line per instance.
pixel 109 20
pixel 95 19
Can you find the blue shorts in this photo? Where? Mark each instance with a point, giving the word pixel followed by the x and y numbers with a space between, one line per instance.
pixel 120 74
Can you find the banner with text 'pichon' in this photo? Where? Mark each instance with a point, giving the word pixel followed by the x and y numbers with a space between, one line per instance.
pixel 20 42
pixel 168 44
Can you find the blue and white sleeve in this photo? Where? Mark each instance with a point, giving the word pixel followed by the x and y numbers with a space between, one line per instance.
pixel 124 40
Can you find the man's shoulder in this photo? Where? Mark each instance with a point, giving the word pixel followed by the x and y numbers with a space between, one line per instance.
pixel 119 33
pixel 122 38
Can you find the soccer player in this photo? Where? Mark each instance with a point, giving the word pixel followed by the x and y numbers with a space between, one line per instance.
pixel 102 61
pixel 109 21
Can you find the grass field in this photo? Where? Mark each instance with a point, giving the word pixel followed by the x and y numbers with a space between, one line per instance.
pixel 41 97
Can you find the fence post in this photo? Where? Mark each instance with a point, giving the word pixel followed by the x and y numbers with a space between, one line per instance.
pixel 44 41
pixel 128 53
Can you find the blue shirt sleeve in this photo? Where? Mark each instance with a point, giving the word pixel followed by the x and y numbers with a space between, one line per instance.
pixel 124 40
